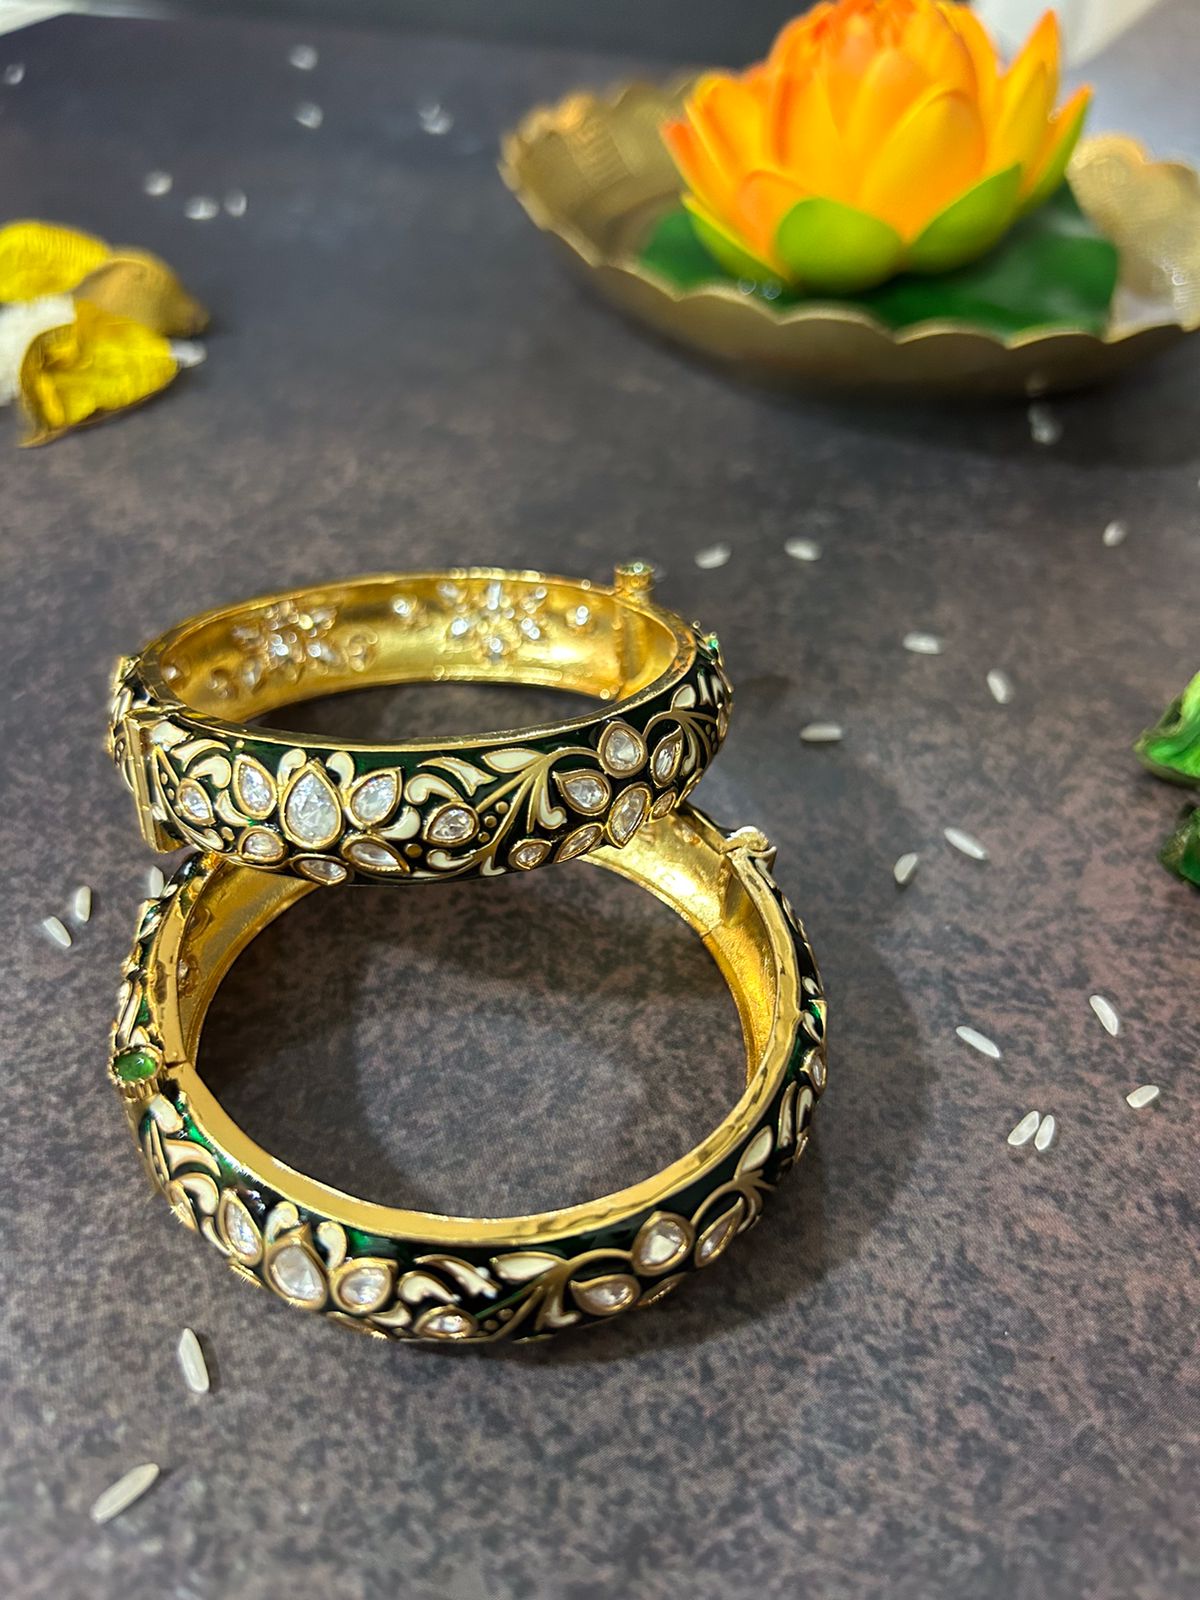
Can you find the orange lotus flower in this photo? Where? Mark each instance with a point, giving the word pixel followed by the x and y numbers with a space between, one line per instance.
pixel 878 136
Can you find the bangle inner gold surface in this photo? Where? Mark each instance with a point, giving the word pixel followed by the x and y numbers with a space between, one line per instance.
pixel 469 625
pixel 710 881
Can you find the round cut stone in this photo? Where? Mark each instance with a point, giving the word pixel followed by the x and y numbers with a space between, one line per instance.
pixel 135 1066
pixel 311 810
pixel 587 791
pixel 603 1296
pixel 296 1275
pixel 627 816
pixel 452 825
pixel 622 749
pixel 374 798
pixel 365 1287
pixel 260 844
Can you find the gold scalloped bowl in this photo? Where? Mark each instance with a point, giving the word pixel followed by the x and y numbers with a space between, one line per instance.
pixel 594 172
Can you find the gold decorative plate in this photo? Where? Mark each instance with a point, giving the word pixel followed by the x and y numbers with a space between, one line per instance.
pixel 594 172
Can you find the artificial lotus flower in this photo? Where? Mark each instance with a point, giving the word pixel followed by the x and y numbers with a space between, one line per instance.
pixel 879 136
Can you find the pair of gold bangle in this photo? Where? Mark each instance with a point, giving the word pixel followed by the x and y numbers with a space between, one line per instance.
pixel 273 816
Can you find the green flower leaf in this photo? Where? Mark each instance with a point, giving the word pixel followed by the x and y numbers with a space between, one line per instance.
pixel 833 249
pixel 969 225
pixel 1054 269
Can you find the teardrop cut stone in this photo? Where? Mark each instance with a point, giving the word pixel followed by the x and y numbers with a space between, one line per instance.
pixel 311 812
pixel 622 749
pixel 662 1242
pixel 603 1296
pixel 296 1275
pixel 364 1287
pixel 252 787
pixel 452 825
pixel 372 802
pixel 579 842
pixel 587 791
pixel 627 816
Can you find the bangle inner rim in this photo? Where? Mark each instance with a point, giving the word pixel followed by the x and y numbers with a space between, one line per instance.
pixel 471 625
pixel 683 859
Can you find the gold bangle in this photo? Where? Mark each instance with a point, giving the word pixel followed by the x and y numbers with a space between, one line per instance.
pixel 428 809
pixel 413 1275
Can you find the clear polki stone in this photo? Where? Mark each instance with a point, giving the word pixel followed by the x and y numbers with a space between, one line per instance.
pixel 296 1274
pixel 311 810
pixel 627 816
pixel 364 1287
pixel 586 791
pixel 453 825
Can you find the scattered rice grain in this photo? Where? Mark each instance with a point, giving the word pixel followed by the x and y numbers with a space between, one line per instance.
pixel 1000 685
pixel 979 1041
pixel 156 184
pixel 155 882
pixel 55 929
pixel 192 1362
pixel 1115 534
pixel 803 549
pixel 1025 1129
pixel 81 903
pixel 965 842
pixel 716 555
pixel 1142 1097
pixel 303 57
pixel 201 208
pixel 14 74
pixel 308 114
pixel 821 733
pixel 121 1495
pixel 235 202
pixel 434 118
pixel 923 644
pixel 905 869
pixel 1106 1012
pixel 1044 1137
pixel 1044 426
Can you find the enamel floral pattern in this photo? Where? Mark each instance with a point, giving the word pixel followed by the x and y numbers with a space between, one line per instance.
pixel 401 1290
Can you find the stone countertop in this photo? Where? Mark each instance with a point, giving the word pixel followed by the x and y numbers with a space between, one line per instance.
pixel 939 1368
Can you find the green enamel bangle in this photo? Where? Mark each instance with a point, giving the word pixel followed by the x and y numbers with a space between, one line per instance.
pixel 417 1276
pixel 202 775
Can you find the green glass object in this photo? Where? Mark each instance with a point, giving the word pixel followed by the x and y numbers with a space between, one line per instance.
pixel 1171 748
pixel 134 1066
pixel 1053 269
pixel 1181 853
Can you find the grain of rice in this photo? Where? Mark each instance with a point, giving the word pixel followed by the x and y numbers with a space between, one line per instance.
pixel 192 1362
pixel 1044 1137
pixel 81 903
pixel 979 1041
pixel 55 929
pixel 966 843
pixel 905 869
pixel 121 1495
pixel 1109 1020
pixel 1145 1096
pixel 716 555
pixel 1025 1129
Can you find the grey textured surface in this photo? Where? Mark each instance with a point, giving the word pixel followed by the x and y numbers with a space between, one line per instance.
pixel 938 1370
